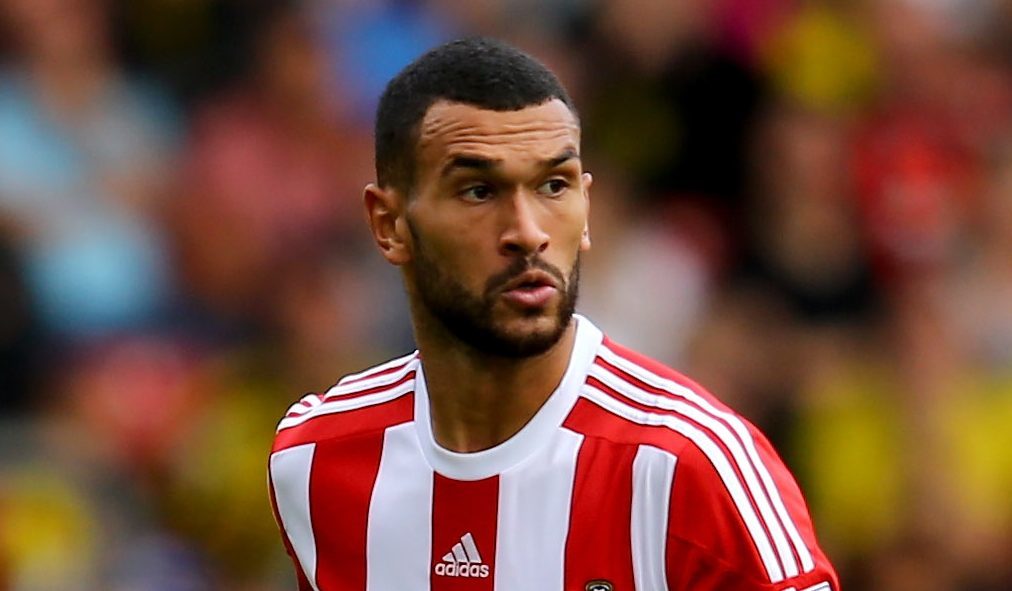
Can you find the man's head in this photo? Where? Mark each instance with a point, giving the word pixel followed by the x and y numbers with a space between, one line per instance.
pixel 481 196
pixel 479 72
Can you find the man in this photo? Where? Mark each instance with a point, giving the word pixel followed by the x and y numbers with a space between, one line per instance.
pixel 518 448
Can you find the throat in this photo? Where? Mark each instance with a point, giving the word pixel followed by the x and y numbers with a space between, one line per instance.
pixel 476 404
pixel 473 422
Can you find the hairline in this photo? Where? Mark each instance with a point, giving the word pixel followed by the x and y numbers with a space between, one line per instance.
pixel 415 133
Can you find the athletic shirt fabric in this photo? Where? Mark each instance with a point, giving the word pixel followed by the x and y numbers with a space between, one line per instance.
pixel 630 476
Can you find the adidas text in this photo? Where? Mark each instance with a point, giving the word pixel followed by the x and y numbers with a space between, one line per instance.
pixel 454 569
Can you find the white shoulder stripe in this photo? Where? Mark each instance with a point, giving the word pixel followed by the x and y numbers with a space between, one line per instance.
pixel 312 401
pixel 722 434
pixel 346 404
pixel 720 463
pixel 378 368
pixel 305 404
pixel 738 426
pixel 372 382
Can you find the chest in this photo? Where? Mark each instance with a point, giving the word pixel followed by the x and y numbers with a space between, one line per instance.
pixel 381 519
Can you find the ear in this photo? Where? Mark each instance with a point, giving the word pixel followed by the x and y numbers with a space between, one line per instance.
pixel 587 180
pixel 385 211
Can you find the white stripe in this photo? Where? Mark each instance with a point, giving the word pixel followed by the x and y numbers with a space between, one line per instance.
pixel 304 405
pixel 653 471
pixel 399 537
pixel 807 562
pixel 374 382
pixel 720 463
pixel 346 404
pixel 472 550
pixel 312 401
pixel 533 521
pixel 458 553
pixel 823 586
pixel 720 430
pixel 290 470
pixel 377 369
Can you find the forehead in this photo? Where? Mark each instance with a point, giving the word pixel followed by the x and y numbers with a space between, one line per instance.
pixel 536 133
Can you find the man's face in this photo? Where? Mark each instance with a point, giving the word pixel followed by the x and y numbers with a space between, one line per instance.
pixel 497 221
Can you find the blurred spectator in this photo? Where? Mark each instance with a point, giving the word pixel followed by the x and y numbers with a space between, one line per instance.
pixel 805 240
pixel 194 47
pixel 823 57
pixel 272 176
pixel 18 333
pixel 643 255
pixel 670 108
pixel 84 154
pixel 367 43
pixel 918 156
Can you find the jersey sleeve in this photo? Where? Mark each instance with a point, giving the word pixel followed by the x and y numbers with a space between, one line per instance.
pixel 738 520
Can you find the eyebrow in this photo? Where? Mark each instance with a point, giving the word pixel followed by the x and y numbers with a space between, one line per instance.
pixel 565 155
pixel 471 162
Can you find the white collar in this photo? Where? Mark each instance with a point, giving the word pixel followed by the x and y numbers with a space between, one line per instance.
pixel 532 437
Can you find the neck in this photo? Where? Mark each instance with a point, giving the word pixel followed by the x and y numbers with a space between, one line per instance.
pixel 478 401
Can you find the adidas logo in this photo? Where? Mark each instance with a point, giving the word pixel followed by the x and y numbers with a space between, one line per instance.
pixel 463 560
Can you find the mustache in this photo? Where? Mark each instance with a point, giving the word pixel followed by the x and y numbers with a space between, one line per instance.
pixel 520 266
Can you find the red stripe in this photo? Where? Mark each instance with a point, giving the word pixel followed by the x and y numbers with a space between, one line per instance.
pixel 716 441
pixel 340 424
pixel 459 508
pixel 340 487
pixel 599 544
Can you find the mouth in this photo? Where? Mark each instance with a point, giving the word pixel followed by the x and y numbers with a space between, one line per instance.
pixel 532 279
pixel 531 289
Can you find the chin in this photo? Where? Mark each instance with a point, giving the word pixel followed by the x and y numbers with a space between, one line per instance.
pixel 527 336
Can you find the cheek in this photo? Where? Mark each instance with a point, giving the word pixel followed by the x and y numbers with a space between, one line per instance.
pixel 456 256
pixel 570 229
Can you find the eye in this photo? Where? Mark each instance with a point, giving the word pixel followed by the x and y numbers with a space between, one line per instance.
pixel 553 187
pixel 476 193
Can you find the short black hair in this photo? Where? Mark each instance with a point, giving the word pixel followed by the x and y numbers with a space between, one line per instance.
pixel 477 71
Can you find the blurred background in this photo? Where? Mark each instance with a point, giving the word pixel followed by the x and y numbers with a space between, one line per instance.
pixel 806 205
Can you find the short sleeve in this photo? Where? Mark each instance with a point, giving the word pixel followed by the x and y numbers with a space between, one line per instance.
pixel 738 521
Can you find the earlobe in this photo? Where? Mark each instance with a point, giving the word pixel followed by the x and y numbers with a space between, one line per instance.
pixel 384 212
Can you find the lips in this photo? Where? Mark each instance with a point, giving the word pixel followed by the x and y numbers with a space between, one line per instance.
pixel 532 279
pixel 531 289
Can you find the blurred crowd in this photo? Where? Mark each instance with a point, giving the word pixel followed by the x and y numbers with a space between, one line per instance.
pixel 806 205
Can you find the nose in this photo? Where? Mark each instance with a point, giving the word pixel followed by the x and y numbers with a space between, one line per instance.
pixel 523 233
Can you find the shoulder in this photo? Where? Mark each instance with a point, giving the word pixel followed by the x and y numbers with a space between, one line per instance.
pixel 644 401
pixel 366 401
pixel 731 496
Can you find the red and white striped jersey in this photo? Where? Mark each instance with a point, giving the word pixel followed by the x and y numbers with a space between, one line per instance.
pixel 629 477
